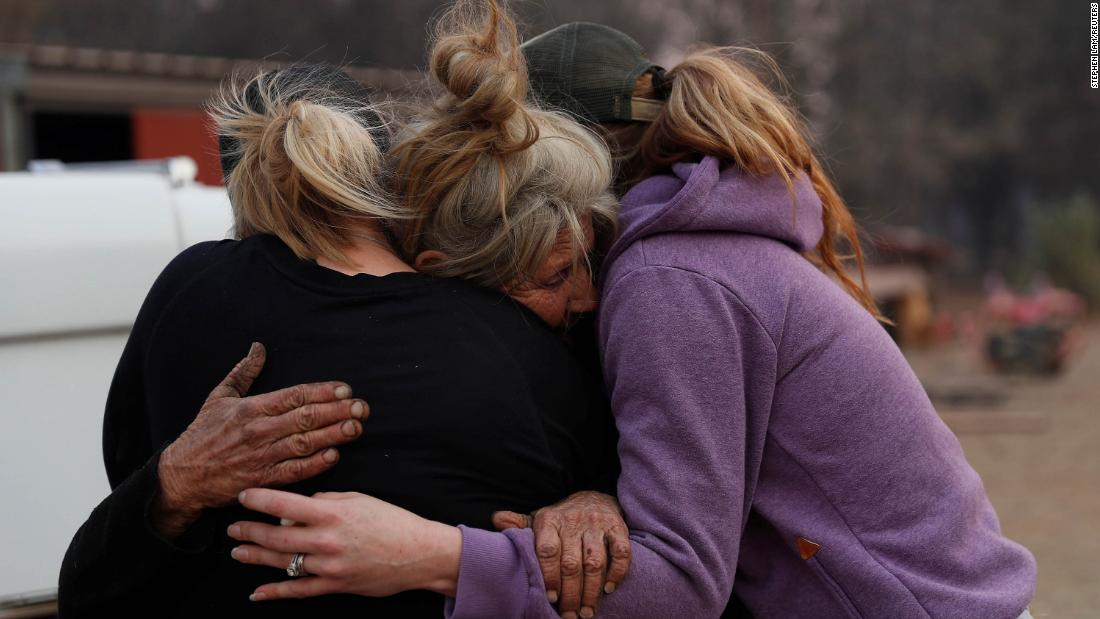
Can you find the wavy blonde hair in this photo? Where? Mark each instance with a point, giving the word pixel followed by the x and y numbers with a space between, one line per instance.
pixel 486 178
pixel 716 105
pixel 305 163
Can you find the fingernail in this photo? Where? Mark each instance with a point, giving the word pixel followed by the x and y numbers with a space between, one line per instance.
pixel 240 497
pixel 343 392
pixel 286 522
pixel 349 428
pixel 552 596
pixel 587 612
pixel 609 588
pixel 237 553
pixel 258 597
pixel 234 530
pixel 253 348
pixel 357 409
pixel 569 615
pixel 330 456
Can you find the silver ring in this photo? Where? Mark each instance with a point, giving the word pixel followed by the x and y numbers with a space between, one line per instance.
pixel 295 570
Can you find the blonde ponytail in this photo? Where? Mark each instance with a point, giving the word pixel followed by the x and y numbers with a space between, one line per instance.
pixel 305 165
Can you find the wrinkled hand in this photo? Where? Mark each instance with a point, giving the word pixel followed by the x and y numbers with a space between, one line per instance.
pixel 573 539
pixel 239 442
pixel 353 543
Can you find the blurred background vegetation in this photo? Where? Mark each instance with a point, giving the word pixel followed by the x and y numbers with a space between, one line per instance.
pixel 972 121
pixel 1067 245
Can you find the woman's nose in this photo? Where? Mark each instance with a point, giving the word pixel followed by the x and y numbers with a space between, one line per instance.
pixel 585 297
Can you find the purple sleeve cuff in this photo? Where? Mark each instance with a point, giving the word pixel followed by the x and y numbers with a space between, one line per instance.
pixel 498 576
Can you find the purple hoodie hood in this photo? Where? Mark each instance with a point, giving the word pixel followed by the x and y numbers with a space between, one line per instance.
pixel 702 197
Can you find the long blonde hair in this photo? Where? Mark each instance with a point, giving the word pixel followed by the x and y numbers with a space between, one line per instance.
pixel 716 105
pixel 486 178
pixel 304 160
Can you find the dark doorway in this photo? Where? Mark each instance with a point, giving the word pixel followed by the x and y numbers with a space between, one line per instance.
pixel 73 138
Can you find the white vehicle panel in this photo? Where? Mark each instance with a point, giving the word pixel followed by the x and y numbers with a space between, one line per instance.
pixel 78 253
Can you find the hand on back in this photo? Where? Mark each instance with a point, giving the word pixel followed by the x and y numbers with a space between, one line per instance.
pixel 583 547
pixel 238 442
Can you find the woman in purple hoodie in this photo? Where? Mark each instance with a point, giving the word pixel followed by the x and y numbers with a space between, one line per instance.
pixel 774 441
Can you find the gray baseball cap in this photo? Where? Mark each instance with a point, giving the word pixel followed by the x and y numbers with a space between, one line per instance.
pixel 589 70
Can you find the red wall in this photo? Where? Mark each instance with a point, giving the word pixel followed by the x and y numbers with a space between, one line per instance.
pixel 162 132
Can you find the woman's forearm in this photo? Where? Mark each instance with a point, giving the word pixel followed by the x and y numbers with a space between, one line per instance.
pixel 352 543
pixel 171 512
pixel 440 550
pixel 500 576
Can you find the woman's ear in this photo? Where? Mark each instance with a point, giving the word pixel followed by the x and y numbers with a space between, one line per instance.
pixel 428 258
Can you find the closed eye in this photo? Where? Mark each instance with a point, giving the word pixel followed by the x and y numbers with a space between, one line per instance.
pixel 558 279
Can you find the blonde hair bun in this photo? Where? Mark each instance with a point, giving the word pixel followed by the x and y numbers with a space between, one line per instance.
pixel 476 59
pixel 488 179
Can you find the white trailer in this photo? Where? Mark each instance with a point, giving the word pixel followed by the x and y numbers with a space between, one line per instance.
pixel 78 253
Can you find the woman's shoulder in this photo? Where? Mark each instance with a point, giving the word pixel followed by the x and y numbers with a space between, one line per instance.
pixel 752 268
pixel 192 262
pixel 189 270
pixel 201 257
pixel 489 308
pixel 775 284
pixel 505 327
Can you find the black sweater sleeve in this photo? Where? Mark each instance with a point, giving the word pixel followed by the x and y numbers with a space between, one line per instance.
pixel 117 553
pixel 116 556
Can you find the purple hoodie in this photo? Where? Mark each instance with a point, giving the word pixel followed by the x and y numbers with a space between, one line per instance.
pixel 768 427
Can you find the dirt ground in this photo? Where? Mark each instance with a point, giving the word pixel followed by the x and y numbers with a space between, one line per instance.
pixel 1036 443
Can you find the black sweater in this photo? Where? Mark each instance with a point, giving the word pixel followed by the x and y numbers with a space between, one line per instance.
pixel 476 406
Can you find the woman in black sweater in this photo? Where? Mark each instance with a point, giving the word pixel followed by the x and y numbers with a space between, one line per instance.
pixel 476 403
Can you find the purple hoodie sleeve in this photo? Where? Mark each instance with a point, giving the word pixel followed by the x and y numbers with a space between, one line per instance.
pixel 673 355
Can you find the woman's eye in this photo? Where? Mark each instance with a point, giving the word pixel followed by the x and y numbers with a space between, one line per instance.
pixel 560 278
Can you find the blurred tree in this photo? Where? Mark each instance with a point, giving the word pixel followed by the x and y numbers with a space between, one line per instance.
pixel 962 117
pixel 1067 246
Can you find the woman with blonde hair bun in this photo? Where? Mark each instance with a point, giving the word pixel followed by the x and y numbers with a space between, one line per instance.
pixel 475 404
pixel 490 183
